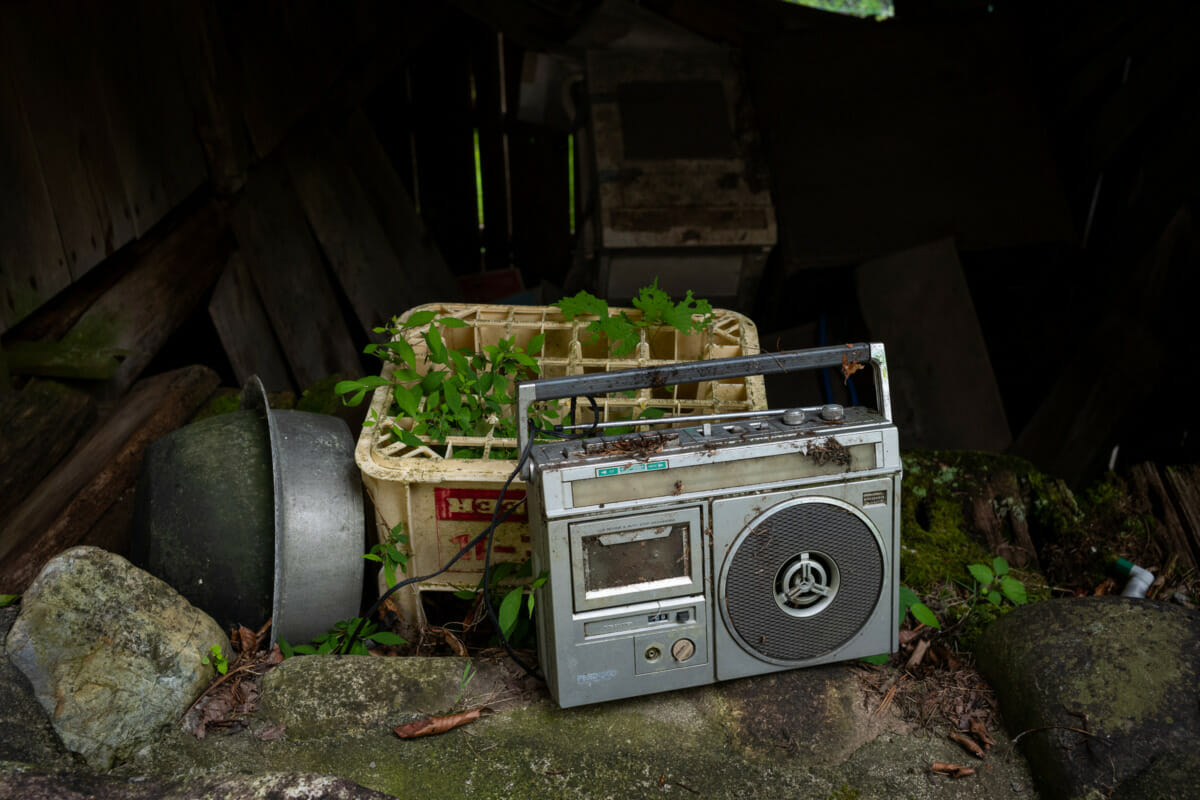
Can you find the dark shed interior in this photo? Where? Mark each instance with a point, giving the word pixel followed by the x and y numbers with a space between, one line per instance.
pixel 1001 191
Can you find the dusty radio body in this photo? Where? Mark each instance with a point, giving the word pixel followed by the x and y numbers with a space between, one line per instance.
pixel 733 547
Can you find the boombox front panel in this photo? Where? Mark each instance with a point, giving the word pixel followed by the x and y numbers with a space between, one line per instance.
pixel 803 580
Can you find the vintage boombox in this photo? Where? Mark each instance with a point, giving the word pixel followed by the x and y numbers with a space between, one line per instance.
pixel 739 545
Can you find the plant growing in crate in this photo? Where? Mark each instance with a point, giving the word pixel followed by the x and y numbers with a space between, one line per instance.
pixel 463 393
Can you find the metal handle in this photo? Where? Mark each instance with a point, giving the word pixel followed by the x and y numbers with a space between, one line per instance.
pixel 695 371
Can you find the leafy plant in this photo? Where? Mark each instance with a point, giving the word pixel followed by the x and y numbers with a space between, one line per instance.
pixel 216 658
pixel 657 309
pixel 460 394
pixel 332 640
pixel 910 602
pixel 996 584
pixel 509 603
pixel 390 554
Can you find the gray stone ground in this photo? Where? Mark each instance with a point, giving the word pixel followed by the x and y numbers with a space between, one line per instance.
pixel 1121 673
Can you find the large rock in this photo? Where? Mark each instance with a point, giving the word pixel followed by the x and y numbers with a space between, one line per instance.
pixel 38 785
pixel 25 732
pixel 112 652
pixel 1125 671
pixel 806 733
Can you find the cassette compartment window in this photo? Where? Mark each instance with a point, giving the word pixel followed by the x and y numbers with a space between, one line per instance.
pixel 636 558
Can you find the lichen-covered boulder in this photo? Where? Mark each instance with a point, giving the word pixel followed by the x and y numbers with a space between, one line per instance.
pixel 112 652
pixel 1100 690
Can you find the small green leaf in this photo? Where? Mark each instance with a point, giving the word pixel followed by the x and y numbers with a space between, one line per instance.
pixel 923 614
pixel 882 658
pixel 981 573
pixel 535 344
pixel 420 318
pixel 510 606
pixel 465 594
pixel 286 648
pixel 372 557
pixel 999 566
pixel 994 597
pixel 407 438
pixel 404 350
pixel 1014 590
pixel 407 400
pixel 387 637
pixel 452 322
pixel 437 349
pixel 8 599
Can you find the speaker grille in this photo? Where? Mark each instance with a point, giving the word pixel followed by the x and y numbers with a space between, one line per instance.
pixel 760 557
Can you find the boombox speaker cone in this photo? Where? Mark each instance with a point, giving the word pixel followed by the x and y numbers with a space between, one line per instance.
pixel 802 579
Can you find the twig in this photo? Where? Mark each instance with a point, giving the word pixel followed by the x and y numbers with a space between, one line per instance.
pixel 1087 733
pixel 685 786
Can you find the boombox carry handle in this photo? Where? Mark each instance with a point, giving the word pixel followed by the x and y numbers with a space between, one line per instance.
pixel 600 383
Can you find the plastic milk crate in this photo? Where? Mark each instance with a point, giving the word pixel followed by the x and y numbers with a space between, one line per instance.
pixel 443 502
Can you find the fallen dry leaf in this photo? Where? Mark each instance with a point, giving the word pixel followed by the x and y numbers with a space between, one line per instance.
pixel 430 726
pixel 967 744
pixel 849 368
pixel 979 729
pixel 953 770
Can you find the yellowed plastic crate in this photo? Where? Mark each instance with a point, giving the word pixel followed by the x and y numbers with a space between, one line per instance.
pixel 443 502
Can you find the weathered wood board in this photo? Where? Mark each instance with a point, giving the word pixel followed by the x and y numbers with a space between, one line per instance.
pixel 285 262
pixel 69 501
pixel 49 60
pixel 944 394
pixel 244 330
pixel 156 294
pixel 38 425
pixel 32 264
pixel 151 124
pixel 358 251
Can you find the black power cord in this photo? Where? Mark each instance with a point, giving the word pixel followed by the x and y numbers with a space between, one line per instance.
pixel 489 532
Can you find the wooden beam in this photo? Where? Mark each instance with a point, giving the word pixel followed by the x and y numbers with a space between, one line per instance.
pixel 66 505
pixel 38 426
pixel 157 293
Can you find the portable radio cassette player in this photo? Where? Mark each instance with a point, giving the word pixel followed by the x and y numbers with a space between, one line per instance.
pixel 739 545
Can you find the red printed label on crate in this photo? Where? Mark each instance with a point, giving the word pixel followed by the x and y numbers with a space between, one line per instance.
pixel 476 505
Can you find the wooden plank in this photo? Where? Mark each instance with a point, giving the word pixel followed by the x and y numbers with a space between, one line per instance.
pixel 65 506
pixel 1184 485
pixel 244 330
pixel 152 129
pixel 358 251
pixel 32 264
pixel 53 73
pixel 38 425
pixel 274 91
pixel 1150 497
pixel 423 275
pixel 285 263
pixel 943 390
pixel 210 86
pixel 156 294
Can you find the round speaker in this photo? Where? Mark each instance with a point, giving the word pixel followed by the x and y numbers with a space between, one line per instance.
pixel 801 579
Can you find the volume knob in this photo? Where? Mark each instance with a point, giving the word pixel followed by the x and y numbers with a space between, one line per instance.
pixel 793 416
pixel 832 412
